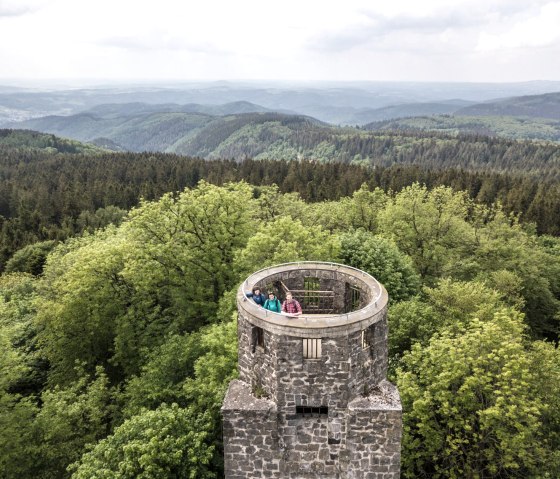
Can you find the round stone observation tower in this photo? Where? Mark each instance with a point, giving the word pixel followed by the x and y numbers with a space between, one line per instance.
pixel 312 399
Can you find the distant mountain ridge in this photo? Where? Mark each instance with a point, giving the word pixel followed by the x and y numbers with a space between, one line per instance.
pixel 406 110
pixel 534 106
pixel 517 128
pixel 336 103
pixel 123 109
pixel 191 133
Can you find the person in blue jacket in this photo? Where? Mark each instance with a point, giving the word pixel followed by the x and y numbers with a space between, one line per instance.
pixel 272 303
pixel 257 296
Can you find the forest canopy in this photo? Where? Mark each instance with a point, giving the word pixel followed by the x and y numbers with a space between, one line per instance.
pixel 131 323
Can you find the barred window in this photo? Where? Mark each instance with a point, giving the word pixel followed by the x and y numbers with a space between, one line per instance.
pixel 365 340
pixel 312 411
pixel 368 337
pixel 311 348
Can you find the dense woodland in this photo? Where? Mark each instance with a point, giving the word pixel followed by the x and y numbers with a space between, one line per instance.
pixel 117 316
pixel 46 195
pixel 462 142
pixel 520 128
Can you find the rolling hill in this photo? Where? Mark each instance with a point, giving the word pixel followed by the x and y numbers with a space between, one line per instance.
pixel 533 106
pixel 43 142
pixel 362 117
pixel 519 128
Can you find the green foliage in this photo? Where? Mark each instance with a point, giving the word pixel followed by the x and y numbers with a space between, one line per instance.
pixel 69 419
pixel 17 451
pixel 446 235
pixel 41 441
pixel 358 211
pixel 283 240
pixel 33 140
pixel 36 206
pixel 213 372
pixel 123 289
pixel 30 259
pixel 383 260
pixel 188 244
pixel 502 126
pixel 128 319
pixel 84 297
pixel 449 306
pixel 472 404
pixel 430 226
pixel 162 378
pixel 410 322
pixel 167 442
pixel 22 365
pixel 88 221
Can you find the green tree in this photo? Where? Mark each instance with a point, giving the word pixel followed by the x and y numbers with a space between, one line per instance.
pixel 472 402
pixel 83 299
pixel 448 306
pixel 68 420
pixel 383 260
pixel 166 442
pixel 431 227
pixel 30 259
pixel 188 245
pixel 282 240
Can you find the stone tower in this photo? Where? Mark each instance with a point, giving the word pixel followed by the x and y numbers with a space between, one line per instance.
pixel 312 399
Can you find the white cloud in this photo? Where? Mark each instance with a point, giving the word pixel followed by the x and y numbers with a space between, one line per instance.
pixel 16 8
pixel 293 39
pixel 540 30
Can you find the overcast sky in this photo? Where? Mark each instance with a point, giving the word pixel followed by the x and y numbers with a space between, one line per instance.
pixel 427 40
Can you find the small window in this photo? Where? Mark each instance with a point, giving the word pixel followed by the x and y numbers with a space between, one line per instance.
pixel 312 411
pixel 365 340
pixel 258 337
pixel 311 348
pixel 368 338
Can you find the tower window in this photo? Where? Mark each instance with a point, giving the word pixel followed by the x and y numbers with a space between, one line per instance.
pixel 368 338
pixel 312 411
pixel 311 348
pixel 365 340
pixel 257 337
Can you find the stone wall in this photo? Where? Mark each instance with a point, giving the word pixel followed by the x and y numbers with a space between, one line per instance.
pixel 374 434
pixel 361 441
pixel 344 370
pixel 250 435
pixel 335 416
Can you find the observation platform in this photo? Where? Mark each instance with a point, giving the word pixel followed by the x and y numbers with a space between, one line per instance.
pixel 335 299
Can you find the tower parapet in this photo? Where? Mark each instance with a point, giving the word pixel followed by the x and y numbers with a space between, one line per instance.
pixel 312 399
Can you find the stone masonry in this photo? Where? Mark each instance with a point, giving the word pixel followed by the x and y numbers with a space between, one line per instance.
pixel 331 415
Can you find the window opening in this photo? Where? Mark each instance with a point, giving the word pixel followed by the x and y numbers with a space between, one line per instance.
pixel 312 411
pixel 365 340
pixel 311 287
pixel 312 348
pixel 258 337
